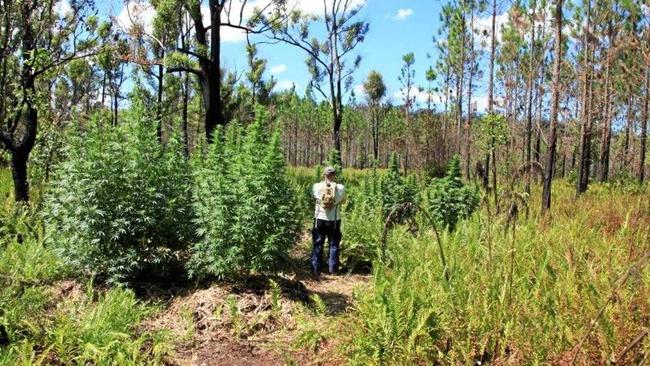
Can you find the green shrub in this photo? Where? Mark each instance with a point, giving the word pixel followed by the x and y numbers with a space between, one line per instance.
pixel 120 204
pixel 362 222
pixel 449 199
pixel 246 212
pixel 396 191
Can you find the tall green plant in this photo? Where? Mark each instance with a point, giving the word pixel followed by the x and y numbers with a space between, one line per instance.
pixel 120 204
pixel 396 191
pixel 450 200
pixel 245 205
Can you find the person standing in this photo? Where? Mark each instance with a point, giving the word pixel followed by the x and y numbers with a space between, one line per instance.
pixel 329 196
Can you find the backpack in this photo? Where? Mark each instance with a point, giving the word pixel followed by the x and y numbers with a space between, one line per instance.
pixel 328 195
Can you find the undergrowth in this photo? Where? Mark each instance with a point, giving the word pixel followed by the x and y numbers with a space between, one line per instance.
pixel 528 306
pixel 45 319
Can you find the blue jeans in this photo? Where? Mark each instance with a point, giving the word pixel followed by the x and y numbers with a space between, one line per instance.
pixel 332 231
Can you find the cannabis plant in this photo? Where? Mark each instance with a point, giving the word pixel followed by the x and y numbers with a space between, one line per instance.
pixel 245 205
pixel 119 204
pixel 450 200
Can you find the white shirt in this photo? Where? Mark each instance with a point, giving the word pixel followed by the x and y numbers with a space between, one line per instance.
pixel 328 214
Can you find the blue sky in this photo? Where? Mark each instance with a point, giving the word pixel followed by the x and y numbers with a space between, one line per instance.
pixel 389 38
pixel 397 27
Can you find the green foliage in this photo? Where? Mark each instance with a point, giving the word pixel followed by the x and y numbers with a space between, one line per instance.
pixel 43 325
pixel 449 199
pixel 84 331
pixel 362 222
pixel 375 87
pixel 334 160
pixel 120 204
pixel 245 205
pixel 562 276
pixel 396 322
pixel 396 191
pixel 493 132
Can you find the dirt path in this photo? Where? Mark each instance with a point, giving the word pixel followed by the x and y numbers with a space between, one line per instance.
pixel 277 321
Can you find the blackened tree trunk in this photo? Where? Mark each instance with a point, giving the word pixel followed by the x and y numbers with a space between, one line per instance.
pixel 582 182
pixel 555 100
pixel 209 71
pixel 159 128
pixel 603 171
pixel 19 173
pixel 628 131
pixel 529 95
pixel 644 127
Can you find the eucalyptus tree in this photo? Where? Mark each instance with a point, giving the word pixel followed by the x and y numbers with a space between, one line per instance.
pixel 330 58
pixel 37 40
pixel 375 91
pixel 555 101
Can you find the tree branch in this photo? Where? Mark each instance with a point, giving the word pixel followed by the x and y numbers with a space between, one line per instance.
pixel 185 69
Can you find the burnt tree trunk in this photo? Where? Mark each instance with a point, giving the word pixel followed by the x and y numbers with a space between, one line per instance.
pixel 529 99
pixel 582 181
pixel 603 171
pixel 555 100
pixel 644 127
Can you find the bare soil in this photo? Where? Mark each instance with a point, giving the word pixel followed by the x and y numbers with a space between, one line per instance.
pixel 259 322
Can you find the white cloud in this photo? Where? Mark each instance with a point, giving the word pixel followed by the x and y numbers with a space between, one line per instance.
pixel 62 8
pixel 137 13
pixel 401 14
pixel 359 90
pixel 143 13
pixel 421 96
pixel 315 7
pixel 483 28
pixel 278 69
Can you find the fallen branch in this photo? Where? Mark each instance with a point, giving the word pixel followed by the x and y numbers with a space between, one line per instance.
pixel 621 281
pixel 634 342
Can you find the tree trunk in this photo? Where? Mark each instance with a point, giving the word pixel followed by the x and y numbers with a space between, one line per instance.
pixel 529 101
pixel 19 172
pixel 468 125
pixel 555 100
pixel 184 120
pixel 159 117
pixel 628 131
pixel 491 103
pixel 186 90
pixel 603 172
pixel 644 126
pixel 336 133
pixel 210 67
pixel 582 181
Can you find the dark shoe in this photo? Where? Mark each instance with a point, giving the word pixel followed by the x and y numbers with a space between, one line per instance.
pixel 315 276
